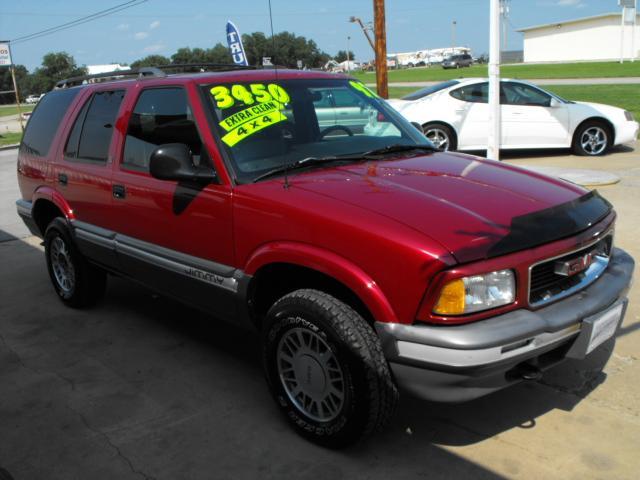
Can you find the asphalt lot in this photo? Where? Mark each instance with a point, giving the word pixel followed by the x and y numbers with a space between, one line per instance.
pixel 143 387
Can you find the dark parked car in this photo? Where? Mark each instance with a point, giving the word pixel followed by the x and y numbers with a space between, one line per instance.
pixel 368 260
pixel 457 61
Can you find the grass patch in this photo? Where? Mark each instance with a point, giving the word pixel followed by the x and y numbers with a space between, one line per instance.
pixel 555 70
pixel 13 110
pixel 10 138
pixel 623 96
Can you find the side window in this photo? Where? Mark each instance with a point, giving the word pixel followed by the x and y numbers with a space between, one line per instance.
pixel 520 94
pixel 476 93
pixel 45 120
pixel 161 115
pixel 345 98
pixel 91 134
pixel 71 149
pixel 321 98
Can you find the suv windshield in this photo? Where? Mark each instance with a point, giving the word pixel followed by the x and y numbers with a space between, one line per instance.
pixel 269 124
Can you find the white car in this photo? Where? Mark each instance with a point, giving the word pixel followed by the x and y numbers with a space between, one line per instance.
pixel 31 99
pixel 454 116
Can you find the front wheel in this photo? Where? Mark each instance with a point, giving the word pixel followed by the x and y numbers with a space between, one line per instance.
pixel 326 370
pixel 592 139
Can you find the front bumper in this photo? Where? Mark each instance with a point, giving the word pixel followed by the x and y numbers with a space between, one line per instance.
pixel 627 132
pixel 462 362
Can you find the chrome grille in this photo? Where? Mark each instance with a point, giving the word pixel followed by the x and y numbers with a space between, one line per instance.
pixel 547 285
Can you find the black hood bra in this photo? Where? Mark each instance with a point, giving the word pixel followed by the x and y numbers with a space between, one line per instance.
pixel 551 224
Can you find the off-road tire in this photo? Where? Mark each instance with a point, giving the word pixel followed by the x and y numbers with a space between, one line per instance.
pixel 89 282
pixel 371 394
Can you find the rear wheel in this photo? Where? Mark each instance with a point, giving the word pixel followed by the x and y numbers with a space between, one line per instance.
pixel 326 370
pixel 592 139
pixel 440 135
pixel 75 280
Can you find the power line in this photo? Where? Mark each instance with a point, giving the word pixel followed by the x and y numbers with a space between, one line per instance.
pixel 79 21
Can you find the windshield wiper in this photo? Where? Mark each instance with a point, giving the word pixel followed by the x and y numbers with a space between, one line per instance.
pixel 369 155
pixel 397 148
pixel 296 165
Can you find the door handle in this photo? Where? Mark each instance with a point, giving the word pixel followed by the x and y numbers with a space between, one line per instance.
pixel 119 191
pixel 63 179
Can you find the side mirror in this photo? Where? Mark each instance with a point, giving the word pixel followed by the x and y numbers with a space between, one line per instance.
pixel 555 103
pixel 172 161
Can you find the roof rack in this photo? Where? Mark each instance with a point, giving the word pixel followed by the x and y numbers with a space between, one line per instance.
pixel 141 72
pixel 148 72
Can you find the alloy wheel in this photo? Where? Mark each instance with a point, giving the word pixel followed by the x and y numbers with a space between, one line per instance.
pixel 310 374
pixel 62 266
pixel 593 140
pixel 438 137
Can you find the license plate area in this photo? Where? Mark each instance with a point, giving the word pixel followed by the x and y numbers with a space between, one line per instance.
pixel 597 329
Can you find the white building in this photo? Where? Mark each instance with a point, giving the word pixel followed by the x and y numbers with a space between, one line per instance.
pixel 583 39
pixel 433 55
pixel 112 67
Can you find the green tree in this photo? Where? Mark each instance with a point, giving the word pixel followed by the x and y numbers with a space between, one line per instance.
pixel 284 49
pixel 151 61
pixel 341 56
pixel 6 84
pixel 218 54
pixel 56 66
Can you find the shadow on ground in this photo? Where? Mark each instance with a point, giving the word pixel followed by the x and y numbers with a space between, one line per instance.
pixel 142 386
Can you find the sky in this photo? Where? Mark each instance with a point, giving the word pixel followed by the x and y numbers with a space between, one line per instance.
pixel 163 26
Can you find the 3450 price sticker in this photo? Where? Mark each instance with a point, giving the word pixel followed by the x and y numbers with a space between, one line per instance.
pixel 227 96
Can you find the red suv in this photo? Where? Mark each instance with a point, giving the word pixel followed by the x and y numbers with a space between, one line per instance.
pixel 366 258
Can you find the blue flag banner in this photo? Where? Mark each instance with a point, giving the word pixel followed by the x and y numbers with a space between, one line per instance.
pixel 235 45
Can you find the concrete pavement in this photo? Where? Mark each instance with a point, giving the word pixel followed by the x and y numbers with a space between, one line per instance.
pixel 143 387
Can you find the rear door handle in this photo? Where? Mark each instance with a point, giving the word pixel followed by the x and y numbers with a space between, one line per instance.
pixel 119 191
pixel 63 179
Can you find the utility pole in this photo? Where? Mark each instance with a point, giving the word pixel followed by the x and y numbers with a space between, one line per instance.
pixel 493 143
pixel 380 48
pixel 348 59
pixel 7 60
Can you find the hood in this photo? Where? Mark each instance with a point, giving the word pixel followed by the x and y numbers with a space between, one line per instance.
pixel 606 110
pixel 467 204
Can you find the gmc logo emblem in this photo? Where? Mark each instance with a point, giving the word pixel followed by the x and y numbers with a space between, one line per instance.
pixel 569 268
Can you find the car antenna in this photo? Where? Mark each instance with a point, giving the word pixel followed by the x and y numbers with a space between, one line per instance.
pixel 275 68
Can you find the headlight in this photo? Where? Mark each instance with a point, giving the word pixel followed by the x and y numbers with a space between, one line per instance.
pixel 629 116
pixel 476 293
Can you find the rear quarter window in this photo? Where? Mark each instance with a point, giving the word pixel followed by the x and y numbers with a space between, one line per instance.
pixel 45 120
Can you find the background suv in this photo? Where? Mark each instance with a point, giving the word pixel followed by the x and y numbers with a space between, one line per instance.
pixel 458 61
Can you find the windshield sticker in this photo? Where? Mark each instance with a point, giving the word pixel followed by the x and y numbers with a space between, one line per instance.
pixel 264 104
pixel 361 87
pixel 226 97
pixel 249 121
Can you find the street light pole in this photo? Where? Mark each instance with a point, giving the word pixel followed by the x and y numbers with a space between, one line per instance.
pixel 453 35
pixel 364 30
pixel 493 141
pixel 381 49
pixel 348 60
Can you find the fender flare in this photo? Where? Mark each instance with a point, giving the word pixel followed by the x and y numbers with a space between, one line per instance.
pixel 330 264
pixel 55 197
